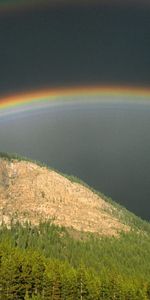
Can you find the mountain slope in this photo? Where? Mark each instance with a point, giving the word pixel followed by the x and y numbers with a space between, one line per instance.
pixel 37 261
pixel 29 192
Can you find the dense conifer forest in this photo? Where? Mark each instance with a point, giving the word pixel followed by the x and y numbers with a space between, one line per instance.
pixel 48 262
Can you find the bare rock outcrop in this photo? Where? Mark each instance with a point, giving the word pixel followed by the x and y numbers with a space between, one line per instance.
pixel 32 193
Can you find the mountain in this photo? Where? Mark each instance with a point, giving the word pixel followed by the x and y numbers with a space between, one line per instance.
pixel 61 240
pixel 33 193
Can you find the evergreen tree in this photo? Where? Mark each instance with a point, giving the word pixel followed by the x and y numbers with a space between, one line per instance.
pixel 56 286
pixel 38 269
pixel 82 284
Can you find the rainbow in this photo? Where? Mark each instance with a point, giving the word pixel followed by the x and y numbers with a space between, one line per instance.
pixel 82 92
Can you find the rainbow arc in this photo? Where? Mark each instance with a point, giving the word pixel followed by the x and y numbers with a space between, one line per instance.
pixel 48 95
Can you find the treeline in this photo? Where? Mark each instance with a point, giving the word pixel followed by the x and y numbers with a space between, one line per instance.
pixel 47 262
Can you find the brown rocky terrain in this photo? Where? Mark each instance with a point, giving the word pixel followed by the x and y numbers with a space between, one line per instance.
pixel 32 193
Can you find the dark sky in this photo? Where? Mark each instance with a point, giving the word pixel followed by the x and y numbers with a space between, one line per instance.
pixel 82 45
pixel 75 45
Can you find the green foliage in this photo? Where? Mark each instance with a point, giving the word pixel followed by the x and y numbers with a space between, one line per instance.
pixel 45 262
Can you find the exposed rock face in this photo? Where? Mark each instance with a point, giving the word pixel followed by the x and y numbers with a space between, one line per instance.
pixel 32 193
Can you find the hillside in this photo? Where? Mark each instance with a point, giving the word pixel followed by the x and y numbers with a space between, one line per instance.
pixel 61 240
pixel 29 192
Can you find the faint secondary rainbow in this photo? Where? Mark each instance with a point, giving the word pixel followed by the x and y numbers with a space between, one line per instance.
pixel 48 95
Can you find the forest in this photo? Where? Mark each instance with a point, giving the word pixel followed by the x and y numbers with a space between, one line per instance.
pixel 50 262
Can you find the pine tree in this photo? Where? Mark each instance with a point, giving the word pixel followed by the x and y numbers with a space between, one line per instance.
pixel 38 269
pixel 47 286
pixel 104 290
pixel 68 284
pixel 82 284
pixel 56 286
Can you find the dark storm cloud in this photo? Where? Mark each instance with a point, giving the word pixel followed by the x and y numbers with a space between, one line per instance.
pixel 74 45
pixel 22 5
